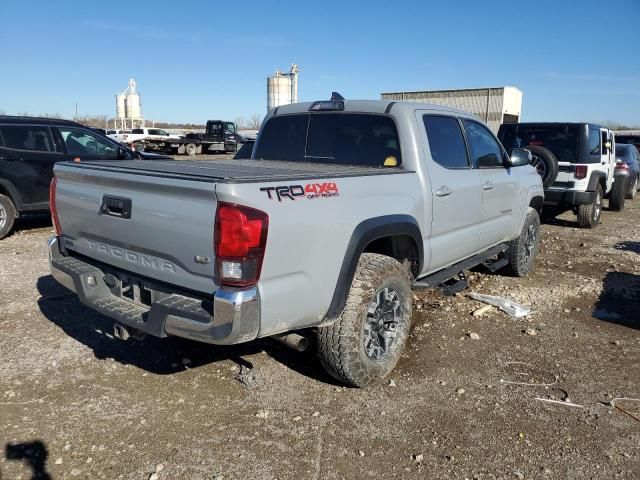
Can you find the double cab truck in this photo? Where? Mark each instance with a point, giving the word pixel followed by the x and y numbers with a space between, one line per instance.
pixel 343 209
pixel 219 137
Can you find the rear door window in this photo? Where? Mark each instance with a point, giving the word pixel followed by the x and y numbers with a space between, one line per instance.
pixel 28 137
pixel 446 141
pixel 486 151
pixel 350 139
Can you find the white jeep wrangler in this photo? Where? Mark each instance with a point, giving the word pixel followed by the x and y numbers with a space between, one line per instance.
pixel 576 162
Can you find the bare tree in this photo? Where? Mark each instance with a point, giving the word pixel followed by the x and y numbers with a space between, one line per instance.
pixel 241 123
pixel 254 121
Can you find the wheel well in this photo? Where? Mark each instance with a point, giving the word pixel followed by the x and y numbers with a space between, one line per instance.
pixel 401 247
pixel 536 203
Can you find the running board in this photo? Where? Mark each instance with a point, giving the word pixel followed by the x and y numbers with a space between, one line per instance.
pixel 446 278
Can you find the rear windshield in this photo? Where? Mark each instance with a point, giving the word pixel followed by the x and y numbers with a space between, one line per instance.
pixel 137 130
pixel 343 138
pixel 623 151
pixel 561 140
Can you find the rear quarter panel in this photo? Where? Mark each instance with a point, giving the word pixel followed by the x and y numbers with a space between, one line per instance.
pixel 308 238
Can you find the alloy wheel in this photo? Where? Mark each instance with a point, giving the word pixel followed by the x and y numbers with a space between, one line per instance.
pixel 381 325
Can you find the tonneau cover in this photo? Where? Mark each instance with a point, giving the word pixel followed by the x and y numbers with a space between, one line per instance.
pixel 236 171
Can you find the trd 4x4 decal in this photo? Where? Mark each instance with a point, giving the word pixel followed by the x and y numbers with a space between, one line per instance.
pixel 310 191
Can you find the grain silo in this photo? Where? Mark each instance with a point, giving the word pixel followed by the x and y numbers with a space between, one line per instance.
pixel 282 88
pixel 493 105
pixel 129 108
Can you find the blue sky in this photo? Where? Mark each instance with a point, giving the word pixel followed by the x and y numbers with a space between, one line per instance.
pixel 574 60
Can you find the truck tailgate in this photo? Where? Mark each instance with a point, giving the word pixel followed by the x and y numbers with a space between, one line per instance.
pixel 153 226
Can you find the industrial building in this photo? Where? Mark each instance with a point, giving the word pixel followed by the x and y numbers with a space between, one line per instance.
pixel 493 105
pixel 282 88
pixel 129 108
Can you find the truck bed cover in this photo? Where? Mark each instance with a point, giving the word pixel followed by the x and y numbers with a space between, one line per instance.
pixel 235 171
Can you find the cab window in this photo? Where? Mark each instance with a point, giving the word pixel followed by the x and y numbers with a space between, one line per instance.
pixel 27 137
pixel 231 128
pixel 83 142
pixel 594 141
pixel 485 149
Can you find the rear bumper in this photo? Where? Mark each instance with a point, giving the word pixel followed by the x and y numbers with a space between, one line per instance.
pixel 232 317
pixel 568 197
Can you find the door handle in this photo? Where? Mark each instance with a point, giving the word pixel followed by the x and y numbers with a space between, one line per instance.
pixel 487 186
pixel 443 191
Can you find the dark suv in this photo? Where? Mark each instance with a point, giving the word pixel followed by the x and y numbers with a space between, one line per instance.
pixel 29 147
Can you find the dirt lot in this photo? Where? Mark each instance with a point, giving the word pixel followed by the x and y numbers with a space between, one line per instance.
pixel 76 403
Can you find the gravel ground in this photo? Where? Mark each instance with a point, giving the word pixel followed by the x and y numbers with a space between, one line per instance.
pixel 464 402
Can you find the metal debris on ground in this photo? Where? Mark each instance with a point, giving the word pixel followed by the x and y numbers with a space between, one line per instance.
pixel 559 402
pixel 634 415
pixel 512 308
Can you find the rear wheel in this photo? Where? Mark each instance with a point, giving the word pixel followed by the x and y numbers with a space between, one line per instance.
pixel 191 149
pixel 524 249
pixel 589 215
pixel 365 342
pixel 618 194
pixel 7 216
pixel 633 189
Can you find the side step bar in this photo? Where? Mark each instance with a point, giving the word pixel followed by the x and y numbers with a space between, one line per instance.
pixel 452 280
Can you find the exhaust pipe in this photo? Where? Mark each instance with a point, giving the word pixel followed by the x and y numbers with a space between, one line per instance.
pixel 125 333
pixel 293 340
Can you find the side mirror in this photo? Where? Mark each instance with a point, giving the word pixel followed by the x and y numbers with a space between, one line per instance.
pixel 519 157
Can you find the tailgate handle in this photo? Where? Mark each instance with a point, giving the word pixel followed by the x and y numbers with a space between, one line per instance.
pixel 116 206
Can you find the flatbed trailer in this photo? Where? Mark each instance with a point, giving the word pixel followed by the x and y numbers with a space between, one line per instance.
pixel 219 137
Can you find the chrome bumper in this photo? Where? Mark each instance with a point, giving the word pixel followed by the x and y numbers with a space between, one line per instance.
pixel 234 316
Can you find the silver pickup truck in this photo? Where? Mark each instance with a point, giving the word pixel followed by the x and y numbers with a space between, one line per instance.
pixel 343 209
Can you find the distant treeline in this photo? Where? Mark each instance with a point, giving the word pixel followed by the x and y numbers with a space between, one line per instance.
pixel 102 121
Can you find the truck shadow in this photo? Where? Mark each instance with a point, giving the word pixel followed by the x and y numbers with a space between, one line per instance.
pixel 619 301
pixel 156 355
pixel 34 454
pixel 628 246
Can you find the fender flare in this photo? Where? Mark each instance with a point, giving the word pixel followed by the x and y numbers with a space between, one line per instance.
pixel 13 193
pixel 365 233
pixel 594 179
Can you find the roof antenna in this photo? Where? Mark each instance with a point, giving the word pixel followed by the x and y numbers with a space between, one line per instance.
pixel 336 96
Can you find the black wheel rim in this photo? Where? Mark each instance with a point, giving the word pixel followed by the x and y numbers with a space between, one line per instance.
pixel 529 244
pixel 381 325
pixel 3 216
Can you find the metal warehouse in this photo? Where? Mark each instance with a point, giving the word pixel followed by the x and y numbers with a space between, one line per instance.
pixel 494 105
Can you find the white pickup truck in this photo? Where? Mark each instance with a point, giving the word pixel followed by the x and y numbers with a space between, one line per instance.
pixel 137 134
pixel 344 207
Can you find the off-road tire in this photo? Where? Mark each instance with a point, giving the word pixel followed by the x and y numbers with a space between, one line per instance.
pixel 7 216
pixel 191 149
pixel 523 250
pixel 341 345
pixel 589 215
pixel 632 189
pixel 618 194
pixel 550 163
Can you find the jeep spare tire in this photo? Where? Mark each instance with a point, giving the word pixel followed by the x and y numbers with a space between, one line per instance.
pixel 545 162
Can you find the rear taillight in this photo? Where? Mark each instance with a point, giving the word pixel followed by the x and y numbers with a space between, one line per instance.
pixel 580 172
pixel 622 166
pixel 240 241
pixel 53 208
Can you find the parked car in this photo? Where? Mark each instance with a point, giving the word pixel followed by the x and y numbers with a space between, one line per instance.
pixel 343 209
pixel 576 162
pixel 101 131
pixel 629 155
pixel 129 137
pixel 29 148
pixel 629 138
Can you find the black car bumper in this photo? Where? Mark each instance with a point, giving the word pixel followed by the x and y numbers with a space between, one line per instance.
pixel 568 197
